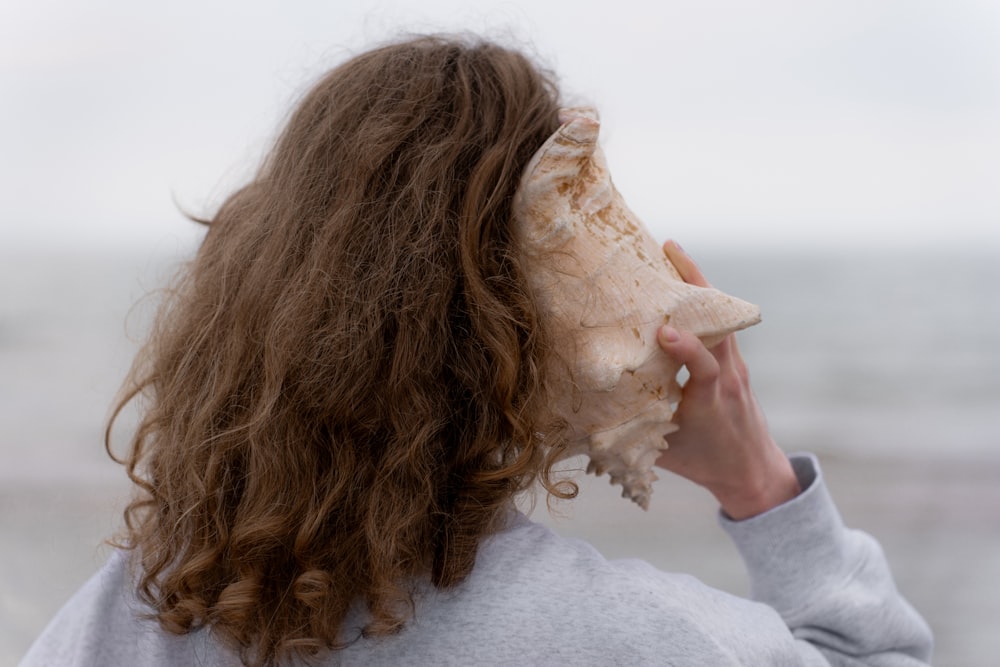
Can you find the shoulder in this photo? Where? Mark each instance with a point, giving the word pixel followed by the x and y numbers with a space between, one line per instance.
pixel 104 624
pixel 538 598
pixel 74 635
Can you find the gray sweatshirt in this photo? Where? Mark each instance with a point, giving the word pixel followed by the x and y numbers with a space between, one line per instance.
pixel 822 595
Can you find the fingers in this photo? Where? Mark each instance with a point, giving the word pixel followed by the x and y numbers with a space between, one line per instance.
pixel 727 350
pixel 686 349
pixel 685 265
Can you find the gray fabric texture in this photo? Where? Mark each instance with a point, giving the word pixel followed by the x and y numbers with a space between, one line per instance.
pixel 823 595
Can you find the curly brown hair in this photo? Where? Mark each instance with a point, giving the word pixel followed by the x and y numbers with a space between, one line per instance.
pixel 343 388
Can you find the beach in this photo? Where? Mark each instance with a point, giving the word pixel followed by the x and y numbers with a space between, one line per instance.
pixel 889 373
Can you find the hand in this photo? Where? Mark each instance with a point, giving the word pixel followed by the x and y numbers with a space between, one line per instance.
pixel 723 442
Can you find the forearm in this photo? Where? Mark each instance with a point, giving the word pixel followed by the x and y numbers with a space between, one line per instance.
pixel 832 586
pixel 771 483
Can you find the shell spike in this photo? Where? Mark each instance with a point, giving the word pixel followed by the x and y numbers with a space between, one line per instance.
pixel 602 286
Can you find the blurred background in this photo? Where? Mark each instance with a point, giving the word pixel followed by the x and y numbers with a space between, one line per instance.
pixel 835 162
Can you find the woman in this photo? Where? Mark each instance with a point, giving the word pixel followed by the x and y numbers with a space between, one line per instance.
pixel 344 395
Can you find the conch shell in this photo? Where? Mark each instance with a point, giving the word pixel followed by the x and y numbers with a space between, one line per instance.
pixel 604 287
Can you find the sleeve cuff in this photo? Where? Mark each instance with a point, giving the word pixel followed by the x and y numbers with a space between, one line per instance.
pixel 782 546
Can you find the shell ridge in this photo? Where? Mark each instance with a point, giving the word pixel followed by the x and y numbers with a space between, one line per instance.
pixel 604 286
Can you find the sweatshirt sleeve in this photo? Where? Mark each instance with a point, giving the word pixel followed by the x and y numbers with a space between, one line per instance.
pixel 831 585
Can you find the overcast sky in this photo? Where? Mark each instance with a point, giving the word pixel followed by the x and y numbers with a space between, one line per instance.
pixel 775 123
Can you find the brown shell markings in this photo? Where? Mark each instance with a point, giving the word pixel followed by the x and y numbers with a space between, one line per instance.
pixel 604 288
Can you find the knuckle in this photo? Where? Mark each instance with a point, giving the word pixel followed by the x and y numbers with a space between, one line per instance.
pixel 731 386
pixel 710 373
pixel 743 374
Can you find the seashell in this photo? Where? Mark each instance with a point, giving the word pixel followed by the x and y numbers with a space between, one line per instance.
pixel 604 287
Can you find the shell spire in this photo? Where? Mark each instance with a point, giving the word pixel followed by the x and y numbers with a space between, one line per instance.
pixel 604 287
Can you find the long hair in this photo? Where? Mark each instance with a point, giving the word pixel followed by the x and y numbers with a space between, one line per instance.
pixel 342 391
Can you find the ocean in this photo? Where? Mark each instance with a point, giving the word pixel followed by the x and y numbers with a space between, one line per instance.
pixel 887 365
pixel 873 354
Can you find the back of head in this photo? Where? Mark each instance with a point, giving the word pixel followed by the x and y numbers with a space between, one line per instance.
pixel 341 390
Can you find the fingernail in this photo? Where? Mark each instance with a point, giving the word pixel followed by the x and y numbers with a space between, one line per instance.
pixel 670 334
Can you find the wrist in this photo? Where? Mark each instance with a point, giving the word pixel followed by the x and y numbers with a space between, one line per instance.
pixel 766 493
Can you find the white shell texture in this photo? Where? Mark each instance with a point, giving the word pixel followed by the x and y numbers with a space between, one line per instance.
pixel 604 287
